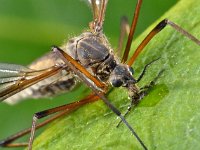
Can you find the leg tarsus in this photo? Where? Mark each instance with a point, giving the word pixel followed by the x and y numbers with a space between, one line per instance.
pixel 66 109
pixel 33 128
pixel 160 26
pixel 184 32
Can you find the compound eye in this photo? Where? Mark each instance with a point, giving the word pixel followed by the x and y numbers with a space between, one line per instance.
pixel 131 69
pixel 117 83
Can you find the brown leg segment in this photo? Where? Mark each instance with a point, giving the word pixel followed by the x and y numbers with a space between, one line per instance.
pixel 155 31
pixel 68 59
pixel 64 109
pixel 132 31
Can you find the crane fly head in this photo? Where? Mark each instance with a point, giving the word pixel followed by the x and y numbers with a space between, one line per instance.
pixel 122 75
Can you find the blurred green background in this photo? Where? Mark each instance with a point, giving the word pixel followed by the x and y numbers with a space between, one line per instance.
pixel 28 29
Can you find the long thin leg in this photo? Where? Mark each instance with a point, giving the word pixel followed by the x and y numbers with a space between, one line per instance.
pixel 95 10
pixel 66 109
pixel 70 62
pixel 143 92
pixel 102 12
pixel 8 142
pixel 132 31
pixel 98 8
pixel 124 30
pixel 156 30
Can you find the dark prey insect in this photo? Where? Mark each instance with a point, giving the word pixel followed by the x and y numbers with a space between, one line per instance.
pixel 88 58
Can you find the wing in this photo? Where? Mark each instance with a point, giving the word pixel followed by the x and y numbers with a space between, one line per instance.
pixel 11 73
pixel 16 78
pixel 62 84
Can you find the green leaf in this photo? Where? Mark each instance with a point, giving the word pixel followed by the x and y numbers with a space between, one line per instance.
pixel 28 29
pixel 168 118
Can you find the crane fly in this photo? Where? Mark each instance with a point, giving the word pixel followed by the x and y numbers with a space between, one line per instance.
pixel 88 58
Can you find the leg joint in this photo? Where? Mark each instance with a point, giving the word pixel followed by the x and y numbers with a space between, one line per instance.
pixel 161 25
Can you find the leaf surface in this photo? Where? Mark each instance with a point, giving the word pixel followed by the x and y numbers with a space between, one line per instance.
pixel 169 117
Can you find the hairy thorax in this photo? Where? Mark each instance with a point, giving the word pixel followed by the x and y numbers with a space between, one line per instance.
pixel 94 53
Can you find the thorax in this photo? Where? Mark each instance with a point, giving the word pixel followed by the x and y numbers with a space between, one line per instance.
pixel 94 53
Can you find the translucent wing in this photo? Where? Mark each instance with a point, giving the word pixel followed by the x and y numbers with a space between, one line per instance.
pixel 10 74
pixel 95 5
pixel 62 82
pixel 15 78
